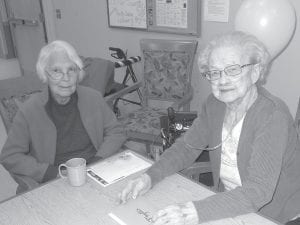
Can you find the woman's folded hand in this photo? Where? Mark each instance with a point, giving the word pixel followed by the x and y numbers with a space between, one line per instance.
pixel 135 187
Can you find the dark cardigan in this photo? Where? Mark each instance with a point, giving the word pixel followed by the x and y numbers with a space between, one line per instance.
pixel 268 159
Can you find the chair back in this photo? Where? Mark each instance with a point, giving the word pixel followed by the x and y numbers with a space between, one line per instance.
pixel 15 91
pixel 99 73
pixel 168 66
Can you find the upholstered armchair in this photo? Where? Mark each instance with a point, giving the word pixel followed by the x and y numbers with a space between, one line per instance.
pixel 168 66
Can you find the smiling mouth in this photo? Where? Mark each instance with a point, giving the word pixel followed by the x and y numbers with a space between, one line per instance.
pixel 226 89
pixel 64 87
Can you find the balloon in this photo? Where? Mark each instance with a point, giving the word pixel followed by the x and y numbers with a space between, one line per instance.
pixel 271 21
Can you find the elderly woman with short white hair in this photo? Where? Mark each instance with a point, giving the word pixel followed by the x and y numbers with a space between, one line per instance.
pixel 250 133
pixel 64 121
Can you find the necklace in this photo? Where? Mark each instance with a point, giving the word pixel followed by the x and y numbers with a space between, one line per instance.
pixel 234 122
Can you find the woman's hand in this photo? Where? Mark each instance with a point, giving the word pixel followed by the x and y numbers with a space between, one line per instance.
pixel 180 214
pixel 136 187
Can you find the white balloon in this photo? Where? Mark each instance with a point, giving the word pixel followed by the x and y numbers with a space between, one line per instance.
pixel 271 21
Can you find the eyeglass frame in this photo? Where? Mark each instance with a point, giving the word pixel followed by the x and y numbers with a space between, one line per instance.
pixel 220 71
pixel 62 73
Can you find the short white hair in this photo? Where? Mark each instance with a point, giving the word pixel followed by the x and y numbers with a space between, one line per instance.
pixel 55 47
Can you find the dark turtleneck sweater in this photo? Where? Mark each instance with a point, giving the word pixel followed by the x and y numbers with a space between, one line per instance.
pixel 72 138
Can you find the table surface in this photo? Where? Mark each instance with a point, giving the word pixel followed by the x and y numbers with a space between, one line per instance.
pixel 57 202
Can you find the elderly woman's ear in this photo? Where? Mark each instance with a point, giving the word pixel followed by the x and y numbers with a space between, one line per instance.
pixel 82 74
pixel 255 73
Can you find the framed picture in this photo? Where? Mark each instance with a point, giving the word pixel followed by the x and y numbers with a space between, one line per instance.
pixel 127 13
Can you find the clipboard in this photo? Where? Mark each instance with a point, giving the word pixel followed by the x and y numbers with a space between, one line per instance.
pixel 117 168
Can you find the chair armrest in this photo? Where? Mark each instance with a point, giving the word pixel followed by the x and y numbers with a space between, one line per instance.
pixel 184 101
pixel 110 98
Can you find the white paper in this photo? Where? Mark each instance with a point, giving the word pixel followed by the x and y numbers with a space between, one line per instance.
pixel 136 211
pixel 216 10
pixel 171 13
pixel 117 168
pixel 127 13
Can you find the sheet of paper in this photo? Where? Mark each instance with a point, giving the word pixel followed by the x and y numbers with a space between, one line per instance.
pixel 127 13
pixel 140 211
pixel 117 168
pixel 137 211
pixel 216 10
pixel 171 13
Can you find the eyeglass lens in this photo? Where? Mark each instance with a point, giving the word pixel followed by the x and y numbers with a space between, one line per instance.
pixel 58 74
pixel 232 70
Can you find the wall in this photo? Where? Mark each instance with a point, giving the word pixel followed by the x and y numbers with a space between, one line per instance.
pixel 84 23
pixel 284 80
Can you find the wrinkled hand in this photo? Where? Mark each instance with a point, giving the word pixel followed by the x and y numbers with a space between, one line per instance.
pixel 135 187
pixel 180 214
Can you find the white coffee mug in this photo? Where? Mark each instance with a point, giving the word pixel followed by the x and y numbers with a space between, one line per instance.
pixel 76 171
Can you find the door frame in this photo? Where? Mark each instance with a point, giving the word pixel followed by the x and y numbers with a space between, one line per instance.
pixel 48 9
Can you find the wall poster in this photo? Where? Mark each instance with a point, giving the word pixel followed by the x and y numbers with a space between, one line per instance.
pixel 127 13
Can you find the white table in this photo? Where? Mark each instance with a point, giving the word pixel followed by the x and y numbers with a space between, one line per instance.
pixel 57 202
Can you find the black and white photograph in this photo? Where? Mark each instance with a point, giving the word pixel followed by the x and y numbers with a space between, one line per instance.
pixel 149 112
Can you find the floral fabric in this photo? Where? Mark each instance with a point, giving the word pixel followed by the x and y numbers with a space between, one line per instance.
pixel 9 108
pixel 166 77
pixel 166 74
pixel 144 120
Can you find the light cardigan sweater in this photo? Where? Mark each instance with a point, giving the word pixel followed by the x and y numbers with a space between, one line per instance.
pixel 268 158
pixel 31 143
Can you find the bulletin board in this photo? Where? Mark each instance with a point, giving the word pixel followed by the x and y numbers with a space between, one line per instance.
pixel 171 16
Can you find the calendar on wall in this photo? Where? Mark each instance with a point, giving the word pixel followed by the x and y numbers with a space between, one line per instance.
pixel 173 16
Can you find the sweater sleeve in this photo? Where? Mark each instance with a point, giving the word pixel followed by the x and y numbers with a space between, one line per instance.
pixel 113 134
pixel 263 173
pixel 16 157
pixel 183 152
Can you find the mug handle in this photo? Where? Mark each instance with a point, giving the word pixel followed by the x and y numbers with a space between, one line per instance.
pixel 59 170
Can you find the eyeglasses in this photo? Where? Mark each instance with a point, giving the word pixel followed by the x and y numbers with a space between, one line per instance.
pixel 57 74
pixel 231 71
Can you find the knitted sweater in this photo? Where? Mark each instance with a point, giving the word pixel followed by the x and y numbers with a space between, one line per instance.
pixel 268 157
pixel 31 143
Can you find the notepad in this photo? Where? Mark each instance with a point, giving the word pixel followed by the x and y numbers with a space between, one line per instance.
pixel 137 211
pixel 117 168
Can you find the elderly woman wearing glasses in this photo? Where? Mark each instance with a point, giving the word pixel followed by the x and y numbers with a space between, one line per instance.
pixel 63 121
pixel 253 144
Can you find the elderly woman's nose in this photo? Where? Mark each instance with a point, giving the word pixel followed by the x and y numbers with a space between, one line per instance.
pixel 223 77
pixel 66 76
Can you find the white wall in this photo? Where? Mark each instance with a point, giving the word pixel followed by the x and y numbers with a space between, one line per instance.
pixel 84 24
pixel 284 80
